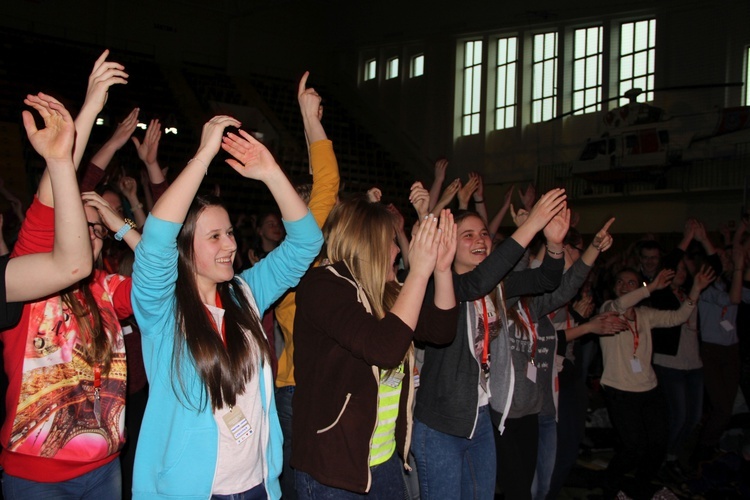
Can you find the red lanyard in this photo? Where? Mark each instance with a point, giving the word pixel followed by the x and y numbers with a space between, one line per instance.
pixel 532 331
pixel 486 344
pixel 223 323
pixel 636 337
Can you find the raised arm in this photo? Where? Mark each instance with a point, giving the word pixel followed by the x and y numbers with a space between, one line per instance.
pixel 420 200
pixel 253 161
pixel 447 196
pixel 148 151
pixel 437 184
pixel 541 213
pixel 32 276
pixel 445 296
pixel 479 205
pixel 423 252
pixel 494 224
pixel 325 168
pixel 119 138
pixel 601 243
pixel 102 77
pixel 466 191
pixel 309 105
pixel 129 189
pixel 175 202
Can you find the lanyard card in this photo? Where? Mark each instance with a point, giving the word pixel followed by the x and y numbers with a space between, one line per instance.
pixel 635 365
pixel 531 372
pixel 238 425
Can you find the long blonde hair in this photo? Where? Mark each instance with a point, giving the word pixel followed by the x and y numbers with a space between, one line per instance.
pixel 360 233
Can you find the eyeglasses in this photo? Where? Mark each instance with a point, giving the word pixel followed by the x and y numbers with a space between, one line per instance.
pixel 99 230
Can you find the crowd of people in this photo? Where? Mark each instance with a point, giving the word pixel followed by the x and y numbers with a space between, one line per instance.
pixel 334 350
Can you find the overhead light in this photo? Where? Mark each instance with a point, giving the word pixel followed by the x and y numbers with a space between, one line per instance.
pixel 170 130
pixel 142 126
pixel 100 121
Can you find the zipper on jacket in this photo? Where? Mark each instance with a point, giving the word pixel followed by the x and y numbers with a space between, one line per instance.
pixel 338 417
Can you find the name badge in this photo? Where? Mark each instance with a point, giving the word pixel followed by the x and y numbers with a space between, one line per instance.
pixel 635 365
pixel 238 425
pixel 531 372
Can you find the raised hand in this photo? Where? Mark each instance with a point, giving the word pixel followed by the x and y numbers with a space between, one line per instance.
pixel 102 77
pixel 662 280
pixel 448 242
pixel 148 149
pixel 309 99
pixel 465 192
pixel 506 199
pixel 211 137
pixel 518 217
pixel 448 194
pixel 419 198
pixel 374 195
pixel 603 240
pixel 558 226
pixel 55 141
pixel 129 187
pixel 479 191
pixel 546 208
pixel 440 167
pixel 252 158
pixel 125 129
pixel 528 197
pixel 699 231
pixel 423 248
pixel 704 277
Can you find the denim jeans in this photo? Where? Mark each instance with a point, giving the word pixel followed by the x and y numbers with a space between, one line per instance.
pixel 254 493
pixel 387 484
pixel 284 408
pixel 104 482
pixel 545 457
pixel 456 467
pixel 683 390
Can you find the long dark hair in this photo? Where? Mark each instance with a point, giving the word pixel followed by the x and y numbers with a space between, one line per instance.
pixel 93 323
pixel 224 371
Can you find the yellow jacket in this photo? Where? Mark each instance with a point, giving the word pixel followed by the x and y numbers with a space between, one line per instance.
pixel 325 171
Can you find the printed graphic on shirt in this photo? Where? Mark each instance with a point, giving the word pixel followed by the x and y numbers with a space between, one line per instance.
pixel 56 414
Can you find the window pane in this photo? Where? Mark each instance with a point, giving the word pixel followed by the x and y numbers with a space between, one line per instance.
pixel 544 76
pixel 641 35
pixel 637 57
pixel 370 69
pixel 579 45
pixel 587 78
pixel 392 68
pixel 626 45
pixel 417 65
pixel 472 87
pixel 538 47
pixel 477 53
pixel 626 67
pixel 505 88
